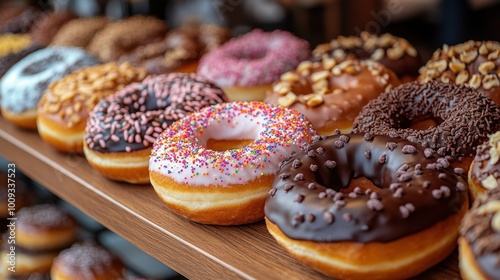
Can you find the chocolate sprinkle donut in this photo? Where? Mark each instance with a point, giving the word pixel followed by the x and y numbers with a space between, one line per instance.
pixel 307 201
pixel 134 117
pixel 466 117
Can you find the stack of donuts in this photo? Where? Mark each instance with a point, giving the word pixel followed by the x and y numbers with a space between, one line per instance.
pixel 349 152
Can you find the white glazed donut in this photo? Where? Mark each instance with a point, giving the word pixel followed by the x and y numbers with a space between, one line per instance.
pixel 198 174
pixel 23 85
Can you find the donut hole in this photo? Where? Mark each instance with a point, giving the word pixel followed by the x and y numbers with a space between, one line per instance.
pixel 225 145
pixel 363 183
pixel 422 123
pixel 226 134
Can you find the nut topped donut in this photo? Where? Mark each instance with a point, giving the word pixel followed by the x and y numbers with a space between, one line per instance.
pixel 393 52
pixel 484 173
pixel 359 206
pixel 463 117
pixel 479 243
pixel 216 166
pixel 122 127
pixel 474 63
pixel 65 106
pixel 332 92
pixel 246 66
pixel 24 83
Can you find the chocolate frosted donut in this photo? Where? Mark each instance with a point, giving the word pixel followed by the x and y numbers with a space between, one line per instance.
pixel 79 32
pixel 45 29
pixel 126 124
pixel 474 63
pixel 464 116
pixel 313 204
pixel 122 37
pixel 479 243
pixel 393 52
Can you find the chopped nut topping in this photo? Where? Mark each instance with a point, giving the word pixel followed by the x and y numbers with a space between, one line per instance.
pixel 320 85
pixel 490 182
pixel 456 65
pixel 483 50
pixel 287 100
pixel 378 54
pixel 494 151
pixel 304 65
pixel 439 65
pixel 411 51
pixel 475 81
pixel 462 77
pixel 490 207
pixel 289 77
pixel 495 222
pixel 321 75
pixel 395 53
pixel 329 63
pixel 314 101
pixel 339 54
pixel 490 81
pixel 282 88
pixel 469 56
pixel 486 67
pixel 493 55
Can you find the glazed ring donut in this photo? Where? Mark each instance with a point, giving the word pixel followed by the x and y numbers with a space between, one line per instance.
pixel 24 83
pixel 479 245
pixel 65 106
pixel 246 66
pixel 79 32
pixel 87 261
pixel 393 52
pixel 122 127
pixel 331 93
pixel 484 172
pixel 357 206
pixel 474 63
pixel 467 117
pixel 217 165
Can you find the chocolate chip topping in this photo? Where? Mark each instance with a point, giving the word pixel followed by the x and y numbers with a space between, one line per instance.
pixel 478 230
pixel 467 116
pixel 402 205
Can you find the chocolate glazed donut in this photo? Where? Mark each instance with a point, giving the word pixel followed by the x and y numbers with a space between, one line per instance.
pixel 417 190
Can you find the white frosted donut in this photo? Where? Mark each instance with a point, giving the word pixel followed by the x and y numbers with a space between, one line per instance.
pixel 23 85
pixel 229 186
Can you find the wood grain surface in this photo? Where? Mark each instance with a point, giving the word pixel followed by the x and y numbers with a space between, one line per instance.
pixel 137 214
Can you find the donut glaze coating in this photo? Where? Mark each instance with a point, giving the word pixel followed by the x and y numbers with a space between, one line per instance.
pixel 484 173
pixel 24 83
pixel 307 203
pixel 466 116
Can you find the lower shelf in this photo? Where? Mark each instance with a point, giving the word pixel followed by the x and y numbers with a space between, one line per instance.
pixel 137 214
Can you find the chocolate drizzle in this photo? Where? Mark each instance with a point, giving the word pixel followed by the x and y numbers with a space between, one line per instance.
pixel 467 116
pixel 400 207
pixel 134 117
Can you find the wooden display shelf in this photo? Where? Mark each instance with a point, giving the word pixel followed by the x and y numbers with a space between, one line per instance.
pixel 137 214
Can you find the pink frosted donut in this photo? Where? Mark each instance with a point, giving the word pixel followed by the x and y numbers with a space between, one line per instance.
pixel 245 67
pixel 204 170
pixel 122 127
